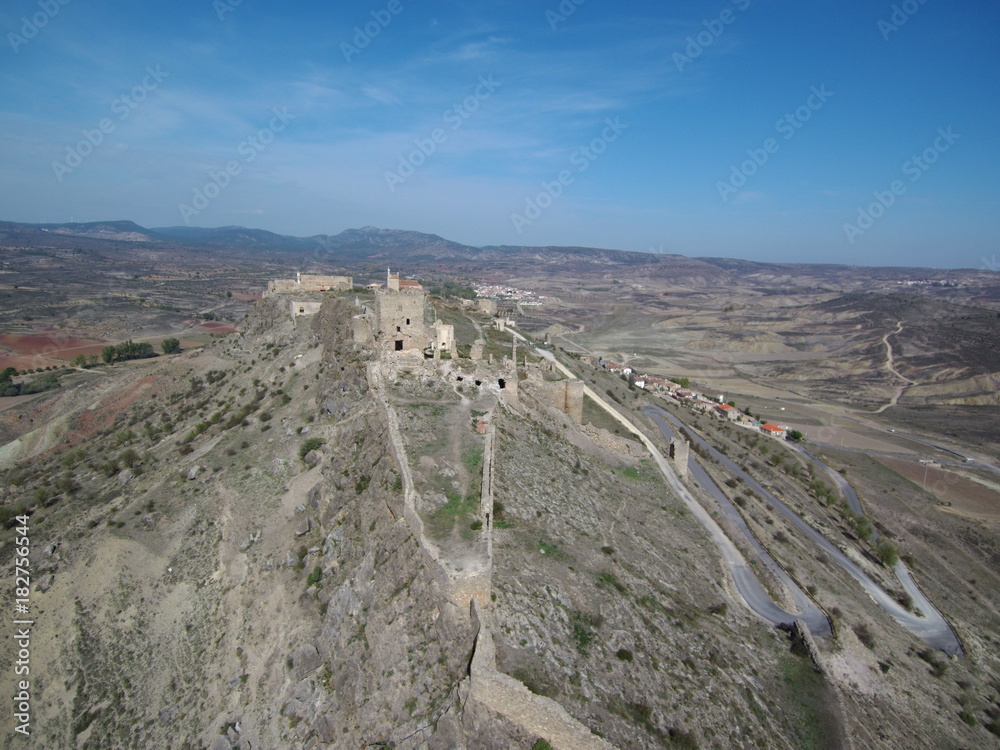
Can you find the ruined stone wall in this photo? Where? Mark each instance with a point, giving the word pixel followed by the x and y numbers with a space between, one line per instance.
pixel 303 307
pixel 309 283
pixel 679 452
pixel 459 590
pixel 281 286
pixel 316 283
pixel 363 330
pixel 574 400
pixel 537 715
pixel 445 337
pixel 399 316
pixel 564 395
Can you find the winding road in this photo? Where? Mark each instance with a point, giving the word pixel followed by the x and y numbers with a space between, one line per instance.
pixel 748 586
pixel 890 363
pixel 930 626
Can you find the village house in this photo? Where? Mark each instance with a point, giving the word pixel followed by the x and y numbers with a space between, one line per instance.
pixel 728 412
pixel 774 431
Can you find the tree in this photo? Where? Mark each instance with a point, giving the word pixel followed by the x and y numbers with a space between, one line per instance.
pixel 886 553
pixel 795 436
pixel 170 346
pixel 863 527
pixel 108 354
pixel 80 361
pixel 683 382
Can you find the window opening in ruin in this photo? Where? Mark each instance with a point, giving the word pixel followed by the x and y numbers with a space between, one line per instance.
pixel 501 383
pixel 399 346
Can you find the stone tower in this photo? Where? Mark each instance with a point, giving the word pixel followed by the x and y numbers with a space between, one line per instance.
pixel 680 450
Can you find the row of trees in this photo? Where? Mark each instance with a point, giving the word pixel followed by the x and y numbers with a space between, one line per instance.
pixel 136 350
pixel 9 388
pixel 127 350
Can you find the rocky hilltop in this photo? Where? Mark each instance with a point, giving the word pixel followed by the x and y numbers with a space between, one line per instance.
pixel 288 540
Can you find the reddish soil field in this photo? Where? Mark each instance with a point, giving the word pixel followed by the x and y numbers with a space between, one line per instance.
pixel 47 345
pixel 21 363
pixel 30 352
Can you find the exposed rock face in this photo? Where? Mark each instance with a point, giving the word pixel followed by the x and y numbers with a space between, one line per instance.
pixel 343 384
pixel 286 597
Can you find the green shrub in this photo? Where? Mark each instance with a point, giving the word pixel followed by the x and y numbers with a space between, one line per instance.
pixel 310 444
pixel 624 654
pixel 315 577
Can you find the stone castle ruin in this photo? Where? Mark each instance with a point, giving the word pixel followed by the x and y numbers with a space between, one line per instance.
pixel 304 282
pixel 398 323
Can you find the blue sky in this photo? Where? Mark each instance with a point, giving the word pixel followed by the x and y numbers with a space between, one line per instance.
pixel 760 129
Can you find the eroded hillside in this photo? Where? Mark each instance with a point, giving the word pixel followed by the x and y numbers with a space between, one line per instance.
pixel 284 540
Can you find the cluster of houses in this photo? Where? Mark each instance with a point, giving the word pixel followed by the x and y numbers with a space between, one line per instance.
pixel 717 407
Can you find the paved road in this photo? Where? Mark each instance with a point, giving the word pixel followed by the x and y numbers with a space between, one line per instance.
pixel 930 626
pixel 759 600
pixel 749 587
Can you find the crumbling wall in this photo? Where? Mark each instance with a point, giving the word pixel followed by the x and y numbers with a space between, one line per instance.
pixel 537 715
pixel 679 452
pixel 564 395
pixel 299 307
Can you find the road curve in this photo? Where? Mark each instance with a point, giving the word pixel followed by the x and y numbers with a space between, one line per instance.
pixel 749 587
pixel 890 365
pixel 930 626
pixel 760 601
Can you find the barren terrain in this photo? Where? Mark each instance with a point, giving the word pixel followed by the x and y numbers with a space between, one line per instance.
pixel 224 554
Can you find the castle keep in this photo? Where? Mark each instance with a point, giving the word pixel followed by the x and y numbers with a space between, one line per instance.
pixel 398 321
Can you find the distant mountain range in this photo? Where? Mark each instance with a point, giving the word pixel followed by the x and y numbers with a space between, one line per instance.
pixel 396 246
